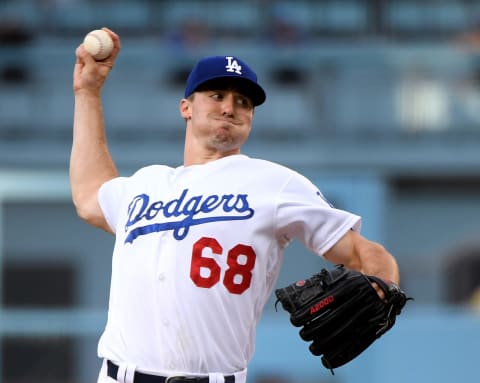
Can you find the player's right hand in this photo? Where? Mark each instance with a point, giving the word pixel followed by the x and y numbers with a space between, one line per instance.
pixel 89 75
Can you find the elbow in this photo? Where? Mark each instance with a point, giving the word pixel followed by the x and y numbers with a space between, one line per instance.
pixel 82 212
pixel 89 211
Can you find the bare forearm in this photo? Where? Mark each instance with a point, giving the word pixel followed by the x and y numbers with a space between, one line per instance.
pixel 376 260
pixel 356 252
pixel 91 163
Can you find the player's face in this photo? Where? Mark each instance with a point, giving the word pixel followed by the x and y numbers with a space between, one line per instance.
pixel 220 120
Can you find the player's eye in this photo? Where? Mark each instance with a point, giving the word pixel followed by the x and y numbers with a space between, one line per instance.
pixel 244 102
pixel 217 96
pixel 239 99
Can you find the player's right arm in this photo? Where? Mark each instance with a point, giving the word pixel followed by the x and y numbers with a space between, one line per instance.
pixel 91 164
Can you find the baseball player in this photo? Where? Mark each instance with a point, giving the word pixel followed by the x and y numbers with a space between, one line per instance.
pixel 199 246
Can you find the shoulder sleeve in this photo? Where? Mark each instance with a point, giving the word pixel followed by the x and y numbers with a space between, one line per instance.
pixel 304 214
pixel 110 196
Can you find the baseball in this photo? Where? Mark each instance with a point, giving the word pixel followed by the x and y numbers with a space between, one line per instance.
pixel 99 44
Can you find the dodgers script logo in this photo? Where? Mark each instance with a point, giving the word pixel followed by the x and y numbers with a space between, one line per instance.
pixel 185 211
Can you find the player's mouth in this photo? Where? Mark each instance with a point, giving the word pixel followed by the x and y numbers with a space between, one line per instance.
pixel 228 121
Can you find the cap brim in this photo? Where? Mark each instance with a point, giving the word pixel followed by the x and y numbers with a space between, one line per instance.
pixel 243 85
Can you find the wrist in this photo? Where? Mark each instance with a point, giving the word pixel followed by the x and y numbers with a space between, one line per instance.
pixel 86 93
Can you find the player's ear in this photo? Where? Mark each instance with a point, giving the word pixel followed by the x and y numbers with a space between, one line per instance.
pixel 185 111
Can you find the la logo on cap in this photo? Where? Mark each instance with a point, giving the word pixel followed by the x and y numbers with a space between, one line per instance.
pixel 232 65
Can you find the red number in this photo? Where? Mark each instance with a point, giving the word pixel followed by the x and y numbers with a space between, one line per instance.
pixel 240 261
pixel 200 262
pixel 237 269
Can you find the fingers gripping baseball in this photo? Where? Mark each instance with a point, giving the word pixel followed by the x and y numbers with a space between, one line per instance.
pixel 99 44
pixel 90 74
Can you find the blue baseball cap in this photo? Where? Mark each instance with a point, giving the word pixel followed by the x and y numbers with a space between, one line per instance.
pixel 217 71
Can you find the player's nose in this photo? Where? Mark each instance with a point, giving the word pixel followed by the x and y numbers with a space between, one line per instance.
pixel 228 104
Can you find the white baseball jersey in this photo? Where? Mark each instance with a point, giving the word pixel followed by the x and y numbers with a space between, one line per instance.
pixel 198 250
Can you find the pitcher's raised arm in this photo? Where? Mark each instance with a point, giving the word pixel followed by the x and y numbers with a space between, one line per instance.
pixel 90 163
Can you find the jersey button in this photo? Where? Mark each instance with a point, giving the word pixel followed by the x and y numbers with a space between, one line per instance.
pixel 161 277
pixel 165 322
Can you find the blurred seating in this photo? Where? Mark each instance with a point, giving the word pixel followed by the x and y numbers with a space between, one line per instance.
pixel 462 276
pixel 79 17
pixel 313 75
pixel 340 17
pixel 426 19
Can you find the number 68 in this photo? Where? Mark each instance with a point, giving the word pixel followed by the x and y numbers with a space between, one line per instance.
pixel 240 261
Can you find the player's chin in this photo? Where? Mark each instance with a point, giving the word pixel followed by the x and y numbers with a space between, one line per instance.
pixel 227 143
pixel 231 134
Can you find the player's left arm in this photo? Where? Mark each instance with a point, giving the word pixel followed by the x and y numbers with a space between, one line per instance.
pixel 369 257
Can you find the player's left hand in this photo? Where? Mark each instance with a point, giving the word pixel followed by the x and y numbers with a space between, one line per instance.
pixel 341 311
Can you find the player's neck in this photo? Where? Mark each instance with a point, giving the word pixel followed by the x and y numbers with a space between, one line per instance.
pixel 191 159
pixel 195 155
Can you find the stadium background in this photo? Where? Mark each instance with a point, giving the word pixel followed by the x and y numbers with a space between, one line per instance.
pixel 378 102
